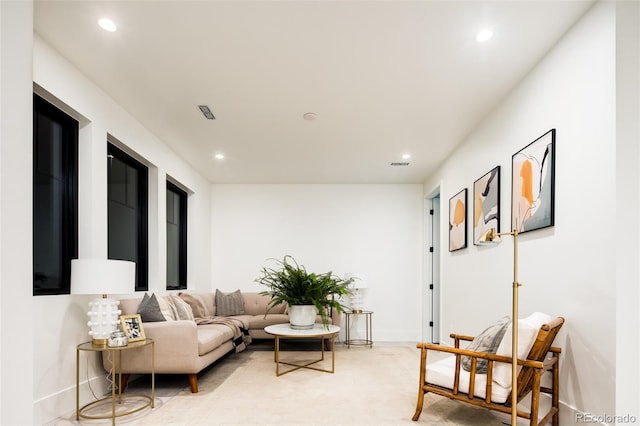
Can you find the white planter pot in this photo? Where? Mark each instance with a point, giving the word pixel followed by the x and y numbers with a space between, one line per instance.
pixel 302 317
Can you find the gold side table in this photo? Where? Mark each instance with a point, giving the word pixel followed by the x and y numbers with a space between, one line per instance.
pixel 116 352
pixel 368 340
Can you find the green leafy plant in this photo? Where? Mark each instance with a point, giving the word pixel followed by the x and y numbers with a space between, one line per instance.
pixel 293 285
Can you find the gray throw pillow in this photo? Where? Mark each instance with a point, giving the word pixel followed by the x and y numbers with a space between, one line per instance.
pixel 229 304
pixel 488 342
pixel 149 309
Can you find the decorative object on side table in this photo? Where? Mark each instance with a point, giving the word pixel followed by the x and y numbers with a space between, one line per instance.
pixel 132 327
pixel 102 276
pixel 293 285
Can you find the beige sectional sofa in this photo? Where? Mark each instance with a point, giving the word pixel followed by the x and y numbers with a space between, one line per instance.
pixel 187 344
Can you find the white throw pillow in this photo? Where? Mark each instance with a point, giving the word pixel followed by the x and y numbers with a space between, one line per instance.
pixel 527 331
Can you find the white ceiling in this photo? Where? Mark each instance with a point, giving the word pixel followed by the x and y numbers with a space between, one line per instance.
pixel 384 77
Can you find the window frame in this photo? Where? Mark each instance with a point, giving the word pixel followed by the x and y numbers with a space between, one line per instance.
pixel 69 199
pixel 182 239
pixel 142 263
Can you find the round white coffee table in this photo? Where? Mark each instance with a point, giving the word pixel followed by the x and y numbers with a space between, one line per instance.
pixel 284 331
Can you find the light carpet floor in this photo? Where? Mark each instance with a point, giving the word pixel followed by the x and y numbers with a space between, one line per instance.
pixel 375 386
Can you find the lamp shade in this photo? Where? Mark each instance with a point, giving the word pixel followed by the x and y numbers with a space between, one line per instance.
pixel 102 276
pixel 359 280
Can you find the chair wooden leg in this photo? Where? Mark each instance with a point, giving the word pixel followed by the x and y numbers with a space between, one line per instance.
pixel 193 383
pixel 416 415
pixel 423 367
pixel 555 392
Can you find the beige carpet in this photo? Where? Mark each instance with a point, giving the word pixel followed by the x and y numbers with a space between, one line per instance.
pixel 369 387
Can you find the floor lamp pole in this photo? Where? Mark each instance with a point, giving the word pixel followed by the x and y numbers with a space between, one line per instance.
pixel 514 335
pixel 492 237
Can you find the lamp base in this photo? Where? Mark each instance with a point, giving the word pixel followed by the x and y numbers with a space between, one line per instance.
pixel 99 342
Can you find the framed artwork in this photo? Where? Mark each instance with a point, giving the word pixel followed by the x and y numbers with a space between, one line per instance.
pixel 132 327
pixel 532 184
pixel 458 221
pixel 486 204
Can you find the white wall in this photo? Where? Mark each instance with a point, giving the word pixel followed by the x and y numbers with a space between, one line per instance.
pixel 16 280
pixel 569 269
pixel 372 229
pixel 628 204
pixel 60 321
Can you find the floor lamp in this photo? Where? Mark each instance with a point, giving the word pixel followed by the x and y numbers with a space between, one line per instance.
pixel 493 237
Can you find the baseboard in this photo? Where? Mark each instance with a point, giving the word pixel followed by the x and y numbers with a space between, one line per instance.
pixel 569 415
pixel 63 403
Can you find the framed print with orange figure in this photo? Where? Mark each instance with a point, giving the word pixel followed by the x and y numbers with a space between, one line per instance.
pixel 458 221
pixel 486 204
pixel 533 184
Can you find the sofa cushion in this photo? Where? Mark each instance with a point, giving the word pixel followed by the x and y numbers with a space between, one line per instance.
pixel 442 373
pixel 211 336
pixel 260 321
pixel 256 304
pixel 229 304
pixel 149 309
pixel 488 342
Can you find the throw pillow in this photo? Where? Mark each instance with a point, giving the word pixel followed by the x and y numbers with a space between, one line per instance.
pixel 167 308
pixel 149 309
pixel 229 304
pixel 527 332
pixel 183 309
pixel 488 341
pixel 198 307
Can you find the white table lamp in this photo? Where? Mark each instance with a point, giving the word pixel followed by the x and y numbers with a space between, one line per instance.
pixel 99 277
pixel 358 285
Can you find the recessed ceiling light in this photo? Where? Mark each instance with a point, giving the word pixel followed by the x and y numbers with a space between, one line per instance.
pixel 484 35
pixel 406 156
pixel 310 116
pixel 219 156
pixel 107 25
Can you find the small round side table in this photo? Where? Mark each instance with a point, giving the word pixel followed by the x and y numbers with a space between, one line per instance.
pixel 368 340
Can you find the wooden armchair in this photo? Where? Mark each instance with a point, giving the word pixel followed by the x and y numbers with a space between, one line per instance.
pixel 481 389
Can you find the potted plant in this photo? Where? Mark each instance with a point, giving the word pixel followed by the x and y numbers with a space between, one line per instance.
pixel 316 293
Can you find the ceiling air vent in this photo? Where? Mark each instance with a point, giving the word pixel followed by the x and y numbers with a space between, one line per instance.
pixel 400 164
pixel 206 112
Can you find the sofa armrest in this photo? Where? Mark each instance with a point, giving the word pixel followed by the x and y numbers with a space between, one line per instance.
pixel 176 348
pixel 336 317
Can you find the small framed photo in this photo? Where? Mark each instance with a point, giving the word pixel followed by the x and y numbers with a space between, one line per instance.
pixel 458 221
pixel 132 327
pixel 533 184
pixel 486 204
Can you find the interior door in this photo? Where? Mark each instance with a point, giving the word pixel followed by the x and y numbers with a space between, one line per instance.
pixel 433 270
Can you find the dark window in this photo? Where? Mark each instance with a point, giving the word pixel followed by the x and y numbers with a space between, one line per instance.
pixel 176 238
pixel 128 201
pixel 55 198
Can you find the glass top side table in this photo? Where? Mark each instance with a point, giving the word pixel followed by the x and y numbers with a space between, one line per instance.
pixel 116 353
pixel 368 340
